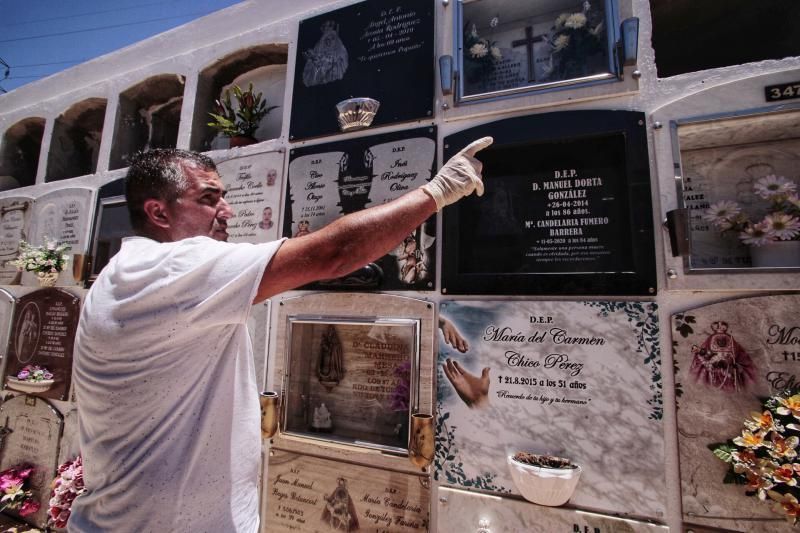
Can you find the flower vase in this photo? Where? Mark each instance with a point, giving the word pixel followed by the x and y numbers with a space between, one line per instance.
pixel 776 254
pixel 241 140
pixel 47 279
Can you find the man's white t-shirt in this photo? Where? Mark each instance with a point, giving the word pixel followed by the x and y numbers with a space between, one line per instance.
pixel 165 383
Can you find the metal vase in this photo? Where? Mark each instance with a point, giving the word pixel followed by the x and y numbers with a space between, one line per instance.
pixel 269 413
pixel 420 440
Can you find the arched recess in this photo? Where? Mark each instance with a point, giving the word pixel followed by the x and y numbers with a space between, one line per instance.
pixel 76 140
pixel 264 66
pixel 148 116
pixel 22 144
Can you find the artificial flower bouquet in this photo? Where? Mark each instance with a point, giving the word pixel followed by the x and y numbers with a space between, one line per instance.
pixel 48 258
pixel 16 490
pixel 67 486
pixel 780 223
pixel 34 374
pixel 574 38
pixel 764 457
pixel 480 54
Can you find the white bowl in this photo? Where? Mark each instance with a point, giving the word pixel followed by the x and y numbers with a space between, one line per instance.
pixel 31 387
pixel 543 485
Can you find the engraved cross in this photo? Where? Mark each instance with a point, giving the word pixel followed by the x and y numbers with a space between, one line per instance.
pixel 528 42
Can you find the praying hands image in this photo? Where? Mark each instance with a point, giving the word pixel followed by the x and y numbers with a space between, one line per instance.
pixel 473 390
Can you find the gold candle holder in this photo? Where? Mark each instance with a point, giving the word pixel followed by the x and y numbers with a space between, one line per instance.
pixel 269 414
pixel 420 440
pixel 80 265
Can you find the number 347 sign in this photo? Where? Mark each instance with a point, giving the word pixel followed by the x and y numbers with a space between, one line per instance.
pixel 784 91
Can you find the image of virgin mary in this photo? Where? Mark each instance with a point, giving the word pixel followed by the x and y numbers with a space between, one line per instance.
pixel 720 362
pixel 327 60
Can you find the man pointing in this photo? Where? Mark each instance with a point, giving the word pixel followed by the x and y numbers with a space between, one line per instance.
pixel 164 377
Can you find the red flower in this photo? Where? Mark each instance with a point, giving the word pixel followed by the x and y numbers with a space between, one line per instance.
pixel 29 506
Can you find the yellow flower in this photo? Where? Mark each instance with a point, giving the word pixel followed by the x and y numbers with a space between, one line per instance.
pixel 790 405
pixel 763 421
pixel 750 439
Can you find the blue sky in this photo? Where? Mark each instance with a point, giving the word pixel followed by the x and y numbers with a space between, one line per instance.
pixel 41 37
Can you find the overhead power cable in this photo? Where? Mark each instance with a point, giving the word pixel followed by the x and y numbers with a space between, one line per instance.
pixel 37 21
pixel 110 26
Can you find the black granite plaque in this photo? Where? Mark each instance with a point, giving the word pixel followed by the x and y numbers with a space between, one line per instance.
pixel 327 181
pixel 379 50
pixel 566 210
pixel 42 334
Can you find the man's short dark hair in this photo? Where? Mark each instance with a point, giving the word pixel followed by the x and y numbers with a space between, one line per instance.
pixel 158 174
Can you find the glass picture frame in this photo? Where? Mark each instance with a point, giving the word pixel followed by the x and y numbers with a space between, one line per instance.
pixel 351 380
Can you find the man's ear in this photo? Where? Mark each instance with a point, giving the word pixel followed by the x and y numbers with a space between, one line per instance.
pixel 157 214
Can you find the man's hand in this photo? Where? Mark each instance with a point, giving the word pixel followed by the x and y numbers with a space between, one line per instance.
pixel 472 389
pixel 459 176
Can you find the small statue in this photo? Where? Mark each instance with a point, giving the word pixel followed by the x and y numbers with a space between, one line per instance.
pixel 321 421
pixel 330 369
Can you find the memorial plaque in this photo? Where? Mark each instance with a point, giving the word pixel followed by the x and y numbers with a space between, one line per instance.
pixel 15 215
pixel 512 46
pixel 330 180
pixel 63 216
pixel 379 50
pixel 729 357
pixel 254 187
pixel 32 430
pixel 351 368
pixel 732 160
pixel 309 494
pixel 42 334
pixel 352 381
pixel 566 209
pixel 580 380
pixel 111 224
pixel 464 511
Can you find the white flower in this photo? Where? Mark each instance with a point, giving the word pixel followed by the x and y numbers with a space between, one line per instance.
pixel 756 235
pixel 473 32
pixel 721 213
pixel 576 21
pixel 479 50
pixel 784 227
pixel 497 55
pixel 561 42
pixel 773 185
pixel 559 23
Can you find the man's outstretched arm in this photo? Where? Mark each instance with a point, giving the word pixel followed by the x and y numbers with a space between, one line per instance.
pixel 358 238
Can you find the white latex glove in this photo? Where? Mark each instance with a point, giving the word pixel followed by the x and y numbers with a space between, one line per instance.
pixel 459 176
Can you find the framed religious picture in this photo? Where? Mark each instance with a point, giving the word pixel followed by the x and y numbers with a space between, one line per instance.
pixel 566 209
pixel 354 65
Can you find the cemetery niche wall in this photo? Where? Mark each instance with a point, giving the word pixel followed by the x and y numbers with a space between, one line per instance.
pixel 738 177
pixel 566 209
pixel 382 51
pixel 329 180
pixel 15 216
pixel 507 47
